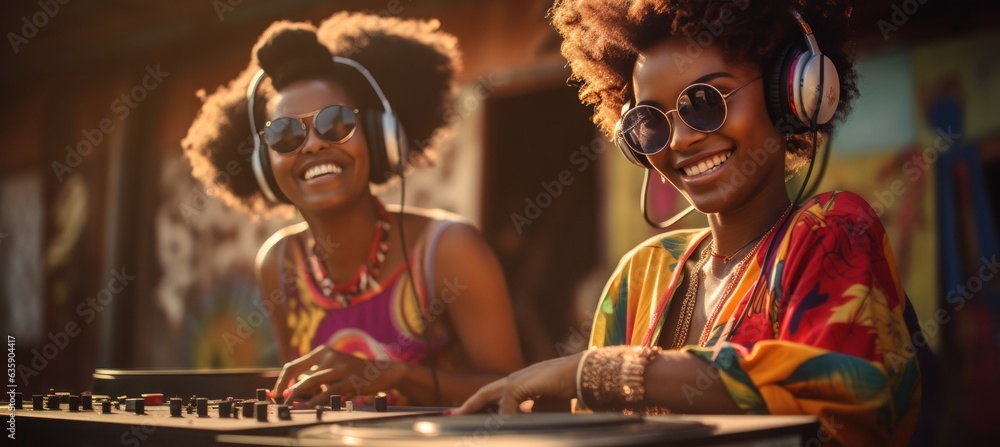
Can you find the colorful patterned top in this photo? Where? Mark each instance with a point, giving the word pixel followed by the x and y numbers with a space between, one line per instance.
pixel 815 328
pixel 384 324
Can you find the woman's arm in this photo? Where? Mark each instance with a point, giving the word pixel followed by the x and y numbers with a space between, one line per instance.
pixel 473 291
pixel 559 379
pixel 668 373
pixel 269 284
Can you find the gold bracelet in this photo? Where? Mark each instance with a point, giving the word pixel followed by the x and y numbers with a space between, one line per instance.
pixel 612 377
pixel 579 376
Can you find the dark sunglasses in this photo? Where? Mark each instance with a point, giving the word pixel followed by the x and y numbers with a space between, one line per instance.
pixel 702 107
pixel 287 134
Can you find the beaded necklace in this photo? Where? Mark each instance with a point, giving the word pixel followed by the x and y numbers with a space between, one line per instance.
pixel 366 279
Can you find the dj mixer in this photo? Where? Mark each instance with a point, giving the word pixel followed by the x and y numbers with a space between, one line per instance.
pixel 153 419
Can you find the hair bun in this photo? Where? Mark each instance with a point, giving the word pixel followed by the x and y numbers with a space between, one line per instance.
pixel 310 58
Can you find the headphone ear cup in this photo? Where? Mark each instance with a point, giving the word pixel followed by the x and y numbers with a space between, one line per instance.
pixel 378 162
pixel 829 88
pixel 268 174
pixel 395 143
pixel 402 148
pixel 780 91
pixel 630 155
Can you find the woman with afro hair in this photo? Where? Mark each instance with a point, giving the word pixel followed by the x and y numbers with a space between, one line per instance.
pixel 410 303
pixel 776 307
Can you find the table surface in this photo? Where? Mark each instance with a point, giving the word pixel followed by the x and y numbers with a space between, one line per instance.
pixel 413 425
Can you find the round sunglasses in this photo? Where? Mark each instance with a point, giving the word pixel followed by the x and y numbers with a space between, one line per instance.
pixel 287 134
pixel 702 107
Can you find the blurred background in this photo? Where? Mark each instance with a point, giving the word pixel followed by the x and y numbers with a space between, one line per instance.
pixel 111 255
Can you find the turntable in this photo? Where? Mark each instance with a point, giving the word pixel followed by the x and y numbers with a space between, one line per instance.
pixel 547 429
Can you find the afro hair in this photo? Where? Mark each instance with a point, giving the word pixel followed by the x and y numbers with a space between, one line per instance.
pixel 413 61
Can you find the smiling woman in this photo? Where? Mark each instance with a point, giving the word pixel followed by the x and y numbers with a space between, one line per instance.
pixel 777 307
pixel 335 111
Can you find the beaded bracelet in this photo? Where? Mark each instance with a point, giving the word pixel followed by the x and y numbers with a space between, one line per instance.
pixel 611 378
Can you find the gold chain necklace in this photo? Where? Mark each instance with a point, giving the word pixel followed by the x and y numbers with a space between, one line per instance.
pixel 733 278
pixel 727 258
pixel 687 306
pixel 683 327
pixel 730 283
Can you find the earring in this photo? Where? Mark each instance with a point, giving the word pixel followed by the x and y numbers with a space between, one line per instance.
pixel 663 179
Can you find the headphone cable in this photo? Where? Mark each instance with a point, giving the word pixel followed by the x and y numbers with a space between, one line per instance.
pixel 814 127
pixel 643 198
pixel 823 163
pixel 431 353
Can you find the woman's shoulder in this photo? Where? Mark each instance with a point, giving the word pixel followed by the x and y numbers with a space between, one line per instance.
pixel 839 202
pixel 267 255
pixel 446 244
pixel 663 248
pixel 836 213
pixel 430 224
pixel 834 225
pixel 429 216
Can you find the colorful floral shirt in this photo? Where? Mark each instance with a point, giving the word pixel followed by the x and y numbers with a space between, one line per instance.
pixel 814 326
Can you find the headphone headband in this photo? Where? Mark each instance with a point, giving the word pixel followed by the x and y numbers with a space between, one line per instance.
pixel 392 140
pixel 808 33
pixel 255 162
